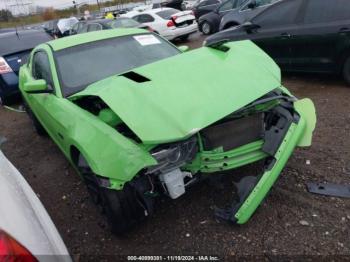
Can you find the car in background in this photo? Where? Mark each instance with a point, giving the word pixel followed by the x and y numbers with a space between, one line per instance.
pixel 245 13
pixel 168 22
pixel 188 4
pixel 239 10
pixel 202 7
pixel 103 24
pixel 64 26
pixel 27 232
pixel 300 35
pixel 137 125
pixel 60 27
pixel 15 47
pixel 50 27
pixel 176 4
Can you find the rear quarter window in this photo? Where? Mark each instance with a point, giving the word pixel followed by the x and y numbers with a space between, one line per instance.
pixel 166 14
pixel 321 11
pixel 284 13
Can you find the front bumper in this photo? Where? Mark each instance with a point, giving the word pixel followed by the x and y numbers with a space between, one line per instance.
pixel 252 190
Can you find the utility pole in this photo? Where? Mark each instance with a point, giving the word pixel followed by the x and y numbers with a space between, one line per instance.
pixel 98 5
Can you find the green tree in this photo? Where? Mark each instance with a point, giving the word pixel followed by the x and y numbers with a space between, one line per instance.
pixel 5 15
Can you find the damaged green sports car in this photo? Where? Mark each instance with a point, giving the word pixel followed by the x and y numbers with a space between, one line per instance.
pixel 138 117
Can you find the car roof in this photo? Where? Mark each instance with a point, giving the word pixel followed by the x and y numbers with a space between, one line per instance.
pixel 151 11
pixel 14 42
pixel 70 41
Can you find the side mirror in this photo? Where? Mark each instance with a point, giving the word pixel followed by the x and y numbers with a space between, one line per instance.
pixel 249 27
pixel 36 87
pixel 252 4
pixel 183 48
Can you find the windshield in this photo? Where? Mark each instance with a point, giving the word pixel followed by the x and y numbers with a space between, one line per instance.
pixel 166 14
pixel 123 22
pixel 101 59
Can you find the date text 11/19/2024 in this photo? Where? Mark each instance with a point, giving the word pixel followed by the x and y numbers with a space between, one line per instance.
pixel 174 258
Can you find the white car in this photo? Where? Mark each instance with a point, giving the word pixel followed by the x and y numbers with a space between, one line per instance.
pixel 188 4
pixel 168 22
pixel 26 231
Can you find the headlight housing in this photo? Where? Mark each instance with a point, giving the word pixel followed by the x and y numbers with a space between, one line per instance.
pixel 173 155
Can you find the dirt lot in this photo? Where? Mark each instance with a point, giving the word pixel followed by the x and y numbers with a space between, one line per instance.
pixel 291 221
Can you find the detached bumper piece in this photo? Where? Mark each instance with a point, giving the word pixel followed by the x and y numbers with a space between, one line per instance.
pixel 328 189
pixel 287 128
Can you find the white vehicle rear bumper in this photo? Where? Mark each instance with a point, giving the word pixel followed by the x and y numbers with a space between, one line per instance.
pixel 176 32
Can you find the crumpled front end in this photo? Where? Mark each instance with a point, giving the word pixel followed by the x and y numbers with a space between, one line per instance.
pixel 268 129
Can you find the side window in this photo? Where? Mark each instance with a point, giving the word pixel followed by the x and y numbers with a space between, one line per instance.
pixel 320 11
pixel 75 27
pixel 80 26
pixel 94 27
pixel 83 29
pixel 226 6
pixel 212 2
pixel 281 14
pixel 262 2
pixel 41 67
pixel 144 18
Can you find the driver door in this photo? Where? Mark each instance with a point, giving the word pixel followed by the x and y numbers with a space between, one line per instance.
pixel 47 107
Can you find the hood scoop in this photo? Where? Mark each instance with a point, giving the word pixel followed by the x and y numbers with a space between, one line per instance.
pixel 135 77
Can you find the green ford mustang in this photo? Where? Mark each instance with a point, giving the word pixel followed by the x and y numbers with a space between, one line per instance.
pixel 138 117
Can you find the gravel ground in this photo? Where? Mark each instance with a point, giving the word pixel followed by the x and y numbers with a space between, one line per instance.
pixel 290 222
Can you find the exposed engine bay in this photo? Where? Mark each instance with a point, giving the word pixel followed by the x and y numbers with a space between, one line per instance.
pixel 255 132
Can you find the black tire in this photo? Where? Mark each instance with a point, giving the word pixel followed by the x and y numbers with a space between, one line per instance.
pixel 124 208
pixel 206 28
pixel 37 126
pixel 346 70
pixel 184 37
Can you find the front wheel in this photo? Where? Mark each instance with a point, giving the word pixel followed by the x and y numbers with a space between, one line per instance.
pixel 206 28
pixel 346 70
pixel 123 208
pixel 184 37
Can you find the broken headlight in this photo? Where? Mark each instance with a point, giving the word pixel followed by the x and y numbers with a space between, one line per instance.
pixel 174 155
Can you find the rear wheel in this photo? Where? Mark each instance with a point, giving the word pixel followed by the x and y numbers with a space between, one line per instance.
pixel 123 208
pixel 206 28
pixel 346 70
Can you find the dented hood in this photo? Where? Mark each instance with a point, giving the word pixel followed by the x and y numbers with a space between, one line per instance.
pixel 189 91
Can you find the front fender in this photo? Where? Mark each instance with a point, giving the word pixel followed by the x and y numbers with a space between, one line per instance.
pixel 108 153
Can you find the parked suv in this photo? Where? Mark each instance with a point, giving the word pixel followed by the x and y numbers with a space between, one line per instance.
pixel 245 12
pixel 202 7
pixel 300 35
pixel 239 10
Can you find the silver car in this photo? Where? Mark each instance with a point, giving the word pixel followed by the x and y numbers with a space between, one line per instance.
pixel 25 227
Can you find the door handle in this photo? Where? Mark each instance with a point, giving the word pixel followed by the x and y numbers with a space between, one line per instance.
pixel 285 35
